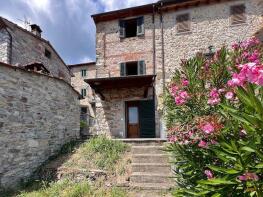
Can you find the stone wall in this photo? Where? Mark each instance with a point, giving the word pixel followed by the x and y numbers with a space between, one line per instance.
pixel 38 114
pixel 28 48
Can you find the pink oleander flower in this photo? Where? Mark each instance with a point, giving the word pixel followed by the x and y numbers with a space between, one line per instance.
pixel 235 46
pixel 229 95
pixel 250 43
pixel 185 82
pixel 179 100
pixel 208 128
pixel 213 101
pixel 254 57
pixel 214 142
pixel 173 138
pixel 173 90
pixel 248 176
pixel 184 95
pixel 203 144
pixel 190 134
pixel 221 90
pixel 209 174
pixel 214 93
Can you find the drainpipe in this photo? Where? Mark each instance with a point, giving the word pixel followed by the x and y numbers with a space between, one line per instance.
pixel 162 37
pixel 154 48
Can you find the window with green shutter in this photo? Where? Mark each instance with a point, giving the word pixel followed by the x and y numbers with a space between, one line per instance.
pixel 141 68
pixel 140 26
pixel 131 27
pixel 133 68
pixel 83 92
pixel 84 73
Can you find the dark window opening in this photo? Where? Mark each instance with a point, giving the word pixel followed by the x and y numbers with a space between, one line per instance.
pixel 131 28
pixel 84 110
pixel 47 53
pixel 238 14
pixel 132 68
pixel 183 23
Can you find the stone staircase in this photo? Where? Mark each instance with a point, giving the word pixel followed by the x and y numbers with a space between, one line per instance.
pixel 150 165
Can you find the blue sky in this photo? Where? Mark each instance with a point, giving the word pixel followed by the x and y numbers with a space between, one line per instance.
pixel 65 23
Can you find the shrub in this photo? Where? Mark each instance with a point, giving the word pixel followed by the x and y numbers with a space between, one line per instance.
pixel 214 116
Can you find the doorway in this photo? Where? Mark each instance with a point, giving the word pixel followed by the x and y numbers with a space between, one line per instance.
pixel 140 119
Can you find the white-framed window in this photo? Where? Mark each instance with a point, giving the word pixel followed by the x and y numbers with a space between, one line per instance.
pixel 84 92
pixel 83 72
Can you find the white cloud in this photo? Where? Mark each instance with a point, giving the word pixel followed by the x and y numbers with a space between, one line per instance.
pixel 86 59
pixel 40 6
pixel 110 5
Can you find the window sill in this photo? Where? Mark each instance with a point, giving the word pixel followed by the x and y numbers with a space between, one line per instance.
pixel 132 38
pixel 238 24
pixel 184 33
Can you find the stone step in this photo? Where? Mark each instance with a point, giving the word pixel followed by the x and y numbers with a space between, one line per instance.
pixel 152 186
pixel 147 149
pixel 140 177
pixel 144 141
pixel 150 158
pixel 151 168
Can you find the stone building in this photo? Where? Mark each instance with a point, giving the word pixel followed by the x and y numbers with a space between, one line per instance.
pixel 20 47
pixel 137 50
pixel 87 104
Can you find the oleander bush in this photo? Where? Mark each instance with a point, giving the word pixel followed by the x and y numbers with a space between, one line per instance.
pixel 214 116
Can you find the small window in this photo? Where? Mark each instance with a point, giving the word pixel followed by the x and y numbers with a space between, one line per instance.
pixel 83 73
pixel 238 14
pixel 84 110
pixel 83 92
pixel 133 68
pixel 131 27
pixel 183 23
pixel 47 53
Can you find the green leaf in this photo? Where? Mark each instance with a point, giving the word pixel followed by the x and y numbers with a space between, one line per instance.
pixel 223 170
pixel 259 165
pixel 248 149
pixel 216 195
pixel 216 182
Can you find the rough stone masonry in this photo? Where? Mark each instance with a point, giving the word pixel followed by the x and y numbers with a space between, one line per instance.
pixel 38 114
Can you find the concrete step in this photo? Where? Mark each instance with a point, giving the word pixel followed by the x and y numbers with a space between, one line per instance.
pixel 147 149
pixel 150 158
pixel 151 168
pixel 144 141
pixel 140 177
pixel 152 186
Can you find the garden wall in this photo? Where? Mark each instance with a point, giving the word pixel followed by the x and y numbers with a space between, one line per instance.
pixel 38 114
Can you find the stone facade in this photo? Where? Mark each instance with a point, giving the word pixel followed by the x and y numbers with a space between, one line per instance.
pixel 21 47
pixel 77 81
pixel 210 26
pixel 38 114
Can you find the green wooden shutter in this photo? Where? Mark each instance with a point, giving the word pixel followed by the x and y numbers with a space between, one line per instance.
pixel 147 119
pixel 140 26
pixel 141 68
pixel 122 69
pixel 122 29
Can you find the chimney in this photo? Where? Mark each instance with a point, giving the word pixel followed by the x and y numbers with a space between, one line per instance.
pixel 35 29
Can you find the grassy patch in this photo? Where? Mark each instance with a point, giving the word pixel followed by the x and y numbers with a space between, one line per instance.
pixel 68 188
pixel 99 152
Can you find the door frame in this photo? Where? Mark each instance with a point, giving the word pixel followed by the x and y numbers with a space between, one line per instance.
pixel 136 103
